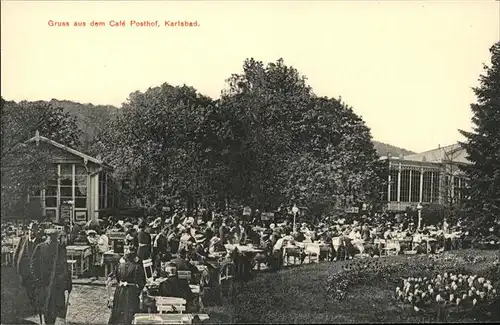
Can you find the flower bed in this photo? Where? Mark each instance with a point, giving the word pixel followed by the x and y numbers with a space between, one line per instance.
pixel 453 292
pixel 418 273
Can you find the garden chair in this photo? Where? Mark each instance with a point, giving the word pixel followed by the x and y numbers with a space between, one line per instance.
pixel 392 247
pixel 148 270
pixel 313 250
pixel 196 288
pixel 338 244
pixel 294 252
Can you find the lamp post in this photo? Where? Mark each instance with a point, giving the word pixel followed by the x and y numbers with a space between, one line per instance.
pixel 295 210
pixel 419 209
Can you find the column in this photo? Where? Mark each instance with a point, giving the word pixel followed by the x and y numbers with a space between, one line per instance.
pixel 42 199
pixel 389 187
pixel 421 183
pixel 399 183
pixel 432 186
pixel 409 186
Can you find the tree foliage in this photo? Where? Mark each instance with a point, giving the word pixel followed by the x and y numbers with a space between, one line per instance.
pixel 22 165
pixel 483 146
pixel 268 140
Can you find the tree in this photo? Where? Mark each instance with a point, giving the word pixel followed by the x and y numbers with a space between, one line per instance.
pixel 483 147
pixel 24 166
pixel 164 144
pixel 451 189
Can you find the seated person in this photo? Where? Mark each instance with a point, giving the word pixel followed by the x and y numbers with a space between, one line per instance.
pixel 174 287
pixel 182 264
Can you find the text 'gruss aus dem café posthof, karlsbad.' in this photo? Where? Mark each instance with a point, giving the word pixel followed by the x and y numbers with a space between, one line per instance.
pixel 126 23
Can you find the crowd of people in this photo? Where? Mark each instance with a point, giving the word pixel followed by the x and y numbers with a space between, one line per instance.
pixel 181 241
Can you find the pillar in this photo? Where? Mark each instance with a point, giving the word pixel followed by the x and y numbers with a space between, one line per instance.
pixel 421 184
pixel 399 183
pixel 409 186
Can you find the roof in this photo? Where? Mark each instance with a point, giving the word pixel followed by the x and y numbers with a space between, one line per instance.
pixel 39 138
pixel 454 153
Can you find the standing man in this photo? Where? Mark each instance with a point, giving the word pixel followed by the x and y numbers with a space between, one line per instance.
pixel 22 258
pixel 50 270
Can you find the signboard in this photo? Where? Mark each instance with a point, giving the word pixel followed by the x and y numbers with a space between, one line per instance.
pixel 352 210
pixel 247 211
pixel 267 216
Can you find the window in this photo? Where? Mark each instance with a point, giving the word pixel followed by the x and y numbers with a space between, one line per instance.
pixel 394 185
pixel 405 186
pixel 66 183
pixel 415 186
pixel 435 187
pixel 426 187
pixel 51 190
pixel 51 214
pixel 80 187
pixel 103 188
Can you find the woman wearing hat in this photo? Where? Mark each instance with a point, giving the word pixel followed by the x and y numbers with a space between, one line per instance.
pixel 131 280
pixel 144 239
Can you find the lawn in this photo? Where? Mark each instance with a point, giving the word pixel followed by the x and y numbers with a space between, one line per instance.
pixel 306 294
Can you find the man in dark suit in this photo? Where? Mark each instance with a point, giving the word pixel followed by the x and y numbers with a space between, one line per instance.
pixel 50 270
pixel 22 258
pixel 160 247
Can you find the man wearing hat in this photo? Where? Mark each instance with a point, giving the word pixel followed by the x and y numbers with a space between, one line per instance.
pixel 22 257
pixel 50 270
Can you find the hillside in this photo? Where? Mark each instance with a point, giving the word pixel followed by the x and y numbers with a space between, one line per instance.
pixel 92 118
pixel 383 149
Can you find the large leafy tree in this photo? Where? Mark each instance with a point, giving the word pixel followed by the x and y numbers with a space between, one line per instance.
pixel 24 166
pixel 294 146
pixel 161 142
pixel 483 146
pixel 267 141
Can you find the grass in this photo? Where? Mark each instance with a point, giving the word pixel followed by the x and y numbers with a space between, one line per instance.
pixel 300 294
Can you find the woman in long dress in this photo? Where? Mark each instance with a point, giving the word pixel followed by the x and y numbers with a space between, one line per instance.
pixel 131 280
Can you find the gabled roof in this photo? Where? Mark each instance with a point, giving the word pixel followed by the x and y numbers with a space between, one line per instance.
pixel 38 138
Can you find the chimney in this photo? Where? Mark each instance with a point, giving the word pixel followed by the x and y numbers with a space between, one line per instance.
pixel 439 146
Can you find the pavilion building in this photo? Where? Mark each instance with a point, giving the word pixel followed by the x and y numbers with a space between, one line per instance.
pixel 430 177
pixel 78 180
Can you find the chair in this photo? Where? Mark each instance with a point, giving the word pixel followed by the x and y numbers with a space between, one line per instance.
pixel 71 264
pixel 148 270
pixel 313 250
pixel 226 276
pixel 392 247
pixel 292 251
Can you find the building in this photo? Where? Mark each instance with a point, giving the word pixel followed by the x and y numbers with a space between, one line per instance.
pixel 79 182
pixel 430 177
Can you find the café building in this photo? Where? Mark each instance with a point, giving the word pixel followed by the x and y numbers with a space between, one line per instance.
pixel 430 177
pixel 78 186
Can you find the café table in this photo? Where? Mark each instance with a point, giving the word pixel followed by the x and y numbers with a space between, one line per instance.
pixel 81 254
pixel 111 260
pixel 167 318
pixel 244 257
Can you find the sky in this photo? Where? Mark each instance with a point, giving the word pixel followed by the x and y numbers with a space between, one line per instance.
pixel 406 67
